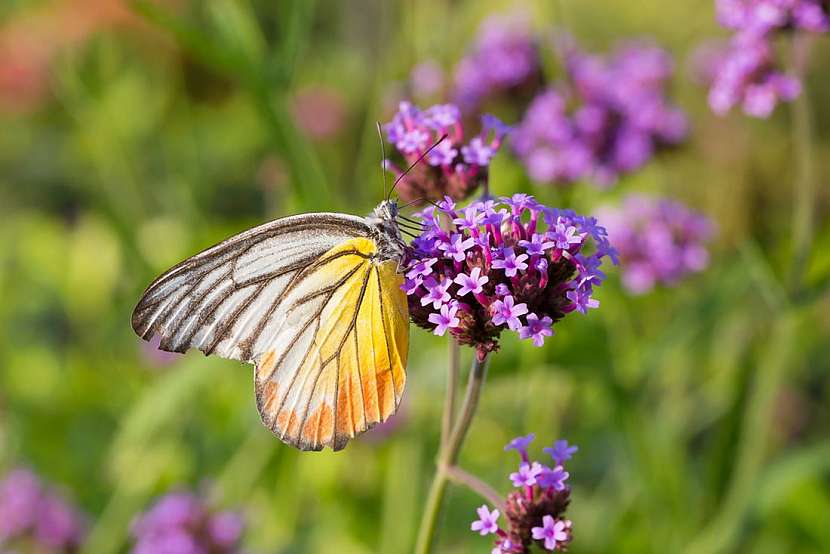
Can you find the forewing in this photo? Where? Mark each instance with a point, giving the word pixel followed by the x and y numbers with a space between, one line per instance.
pixel 221 300
pixel 332 363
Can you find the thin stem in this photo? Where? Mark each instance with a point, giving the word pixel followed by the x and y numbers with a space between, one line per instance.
pixel 426 532
pixel 461 477
pixel 805 185
pixel 452 388
pixel 468 410
pixel 448 456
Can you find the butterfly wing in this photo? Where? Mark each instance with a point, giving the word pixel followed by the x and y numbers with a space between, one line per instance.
pixel 332 364
pixel 305 299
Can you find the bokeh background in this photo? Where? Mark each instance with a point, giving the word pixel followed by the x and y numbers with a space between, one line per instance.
pixel 133 135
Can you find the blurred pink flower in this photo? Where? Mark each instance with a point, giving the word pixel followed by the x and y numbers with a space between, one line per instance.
pixel 155 357
pixel 426 79
pixel 383 431
pixel 30 41
pixel 319 111
pixel 24 60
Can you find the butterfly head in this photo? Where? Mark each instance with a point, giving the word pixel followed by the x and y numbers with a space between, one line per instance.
pixel 383 221
pixel 386 210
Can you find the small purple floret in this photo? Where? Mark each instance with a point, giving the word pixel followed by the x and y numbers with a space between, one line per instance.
pixel 527 474
pixel 487 522
pixel 561 451
pixel 445 320
pixel 537 329
pixel 552 532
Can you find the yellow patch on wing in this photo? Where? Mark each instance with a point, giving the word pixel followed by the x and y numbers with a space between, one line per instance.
pixel 338 368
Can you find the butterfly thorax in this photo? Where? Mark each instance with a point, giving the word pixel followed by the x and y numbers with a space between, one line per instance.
pixel 385 231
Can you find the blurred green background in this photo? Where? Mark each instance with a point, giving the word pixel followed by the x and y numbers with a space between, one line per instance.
pixel 133 136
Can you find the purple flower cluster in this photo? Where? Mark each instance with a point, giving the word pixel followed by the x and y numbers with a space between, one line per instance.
pixel 504 60
pixel 453 168
pixel 181 523
pixel 760 17
pixel 508 264
pixel 747 73
pixel 534 512
pixel 32 514
pixel 608 119
pixel 658 240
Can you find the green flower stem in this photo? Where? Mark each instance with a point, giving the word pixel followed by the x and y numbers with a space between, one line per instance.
pixel 452 387
pixel 448 456
pixel 461 477
pixel 805 185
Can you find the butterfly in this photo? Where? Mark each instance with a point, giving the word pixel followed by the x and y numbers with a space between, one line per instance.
pixel 314 301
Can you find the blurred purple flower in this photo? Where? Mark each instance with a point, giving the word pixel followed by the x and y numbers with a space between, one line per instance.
pixel 534 514
pixel 761 17
pixel 426 79
pixel 31 511
pixel 225 528
pixel 746 75
pixel 453 168
pixel 182 523
pixel 747 72
pixel 610 118
pixel 519 262
pixel 385 430
pixel 658 240
pixel 154 355
pixel 503 60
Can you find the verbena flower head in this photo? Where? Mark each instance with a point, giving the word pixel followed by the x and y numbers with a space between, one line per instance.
pixel 456 167
pixel 502 265
pixel 534 512
pixel 32 514
pixel 659 241
pixel 609 120
pixel 182 523
pixel 747 73
pixel 760 17
pixel 504 61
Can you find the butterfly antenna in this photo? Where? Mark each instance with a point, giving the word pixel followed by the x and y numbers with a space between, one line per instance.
pixel 416 162
pixel 383 157
pixel 417 200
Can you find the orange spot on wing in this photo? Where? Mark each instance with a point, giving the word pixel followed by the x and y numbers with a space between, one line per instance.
pixel 386 394
pixel 319 426
pixel 345 411
pixel 370 396
pixel 285 420
pixel 266 365
pixel 269 398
